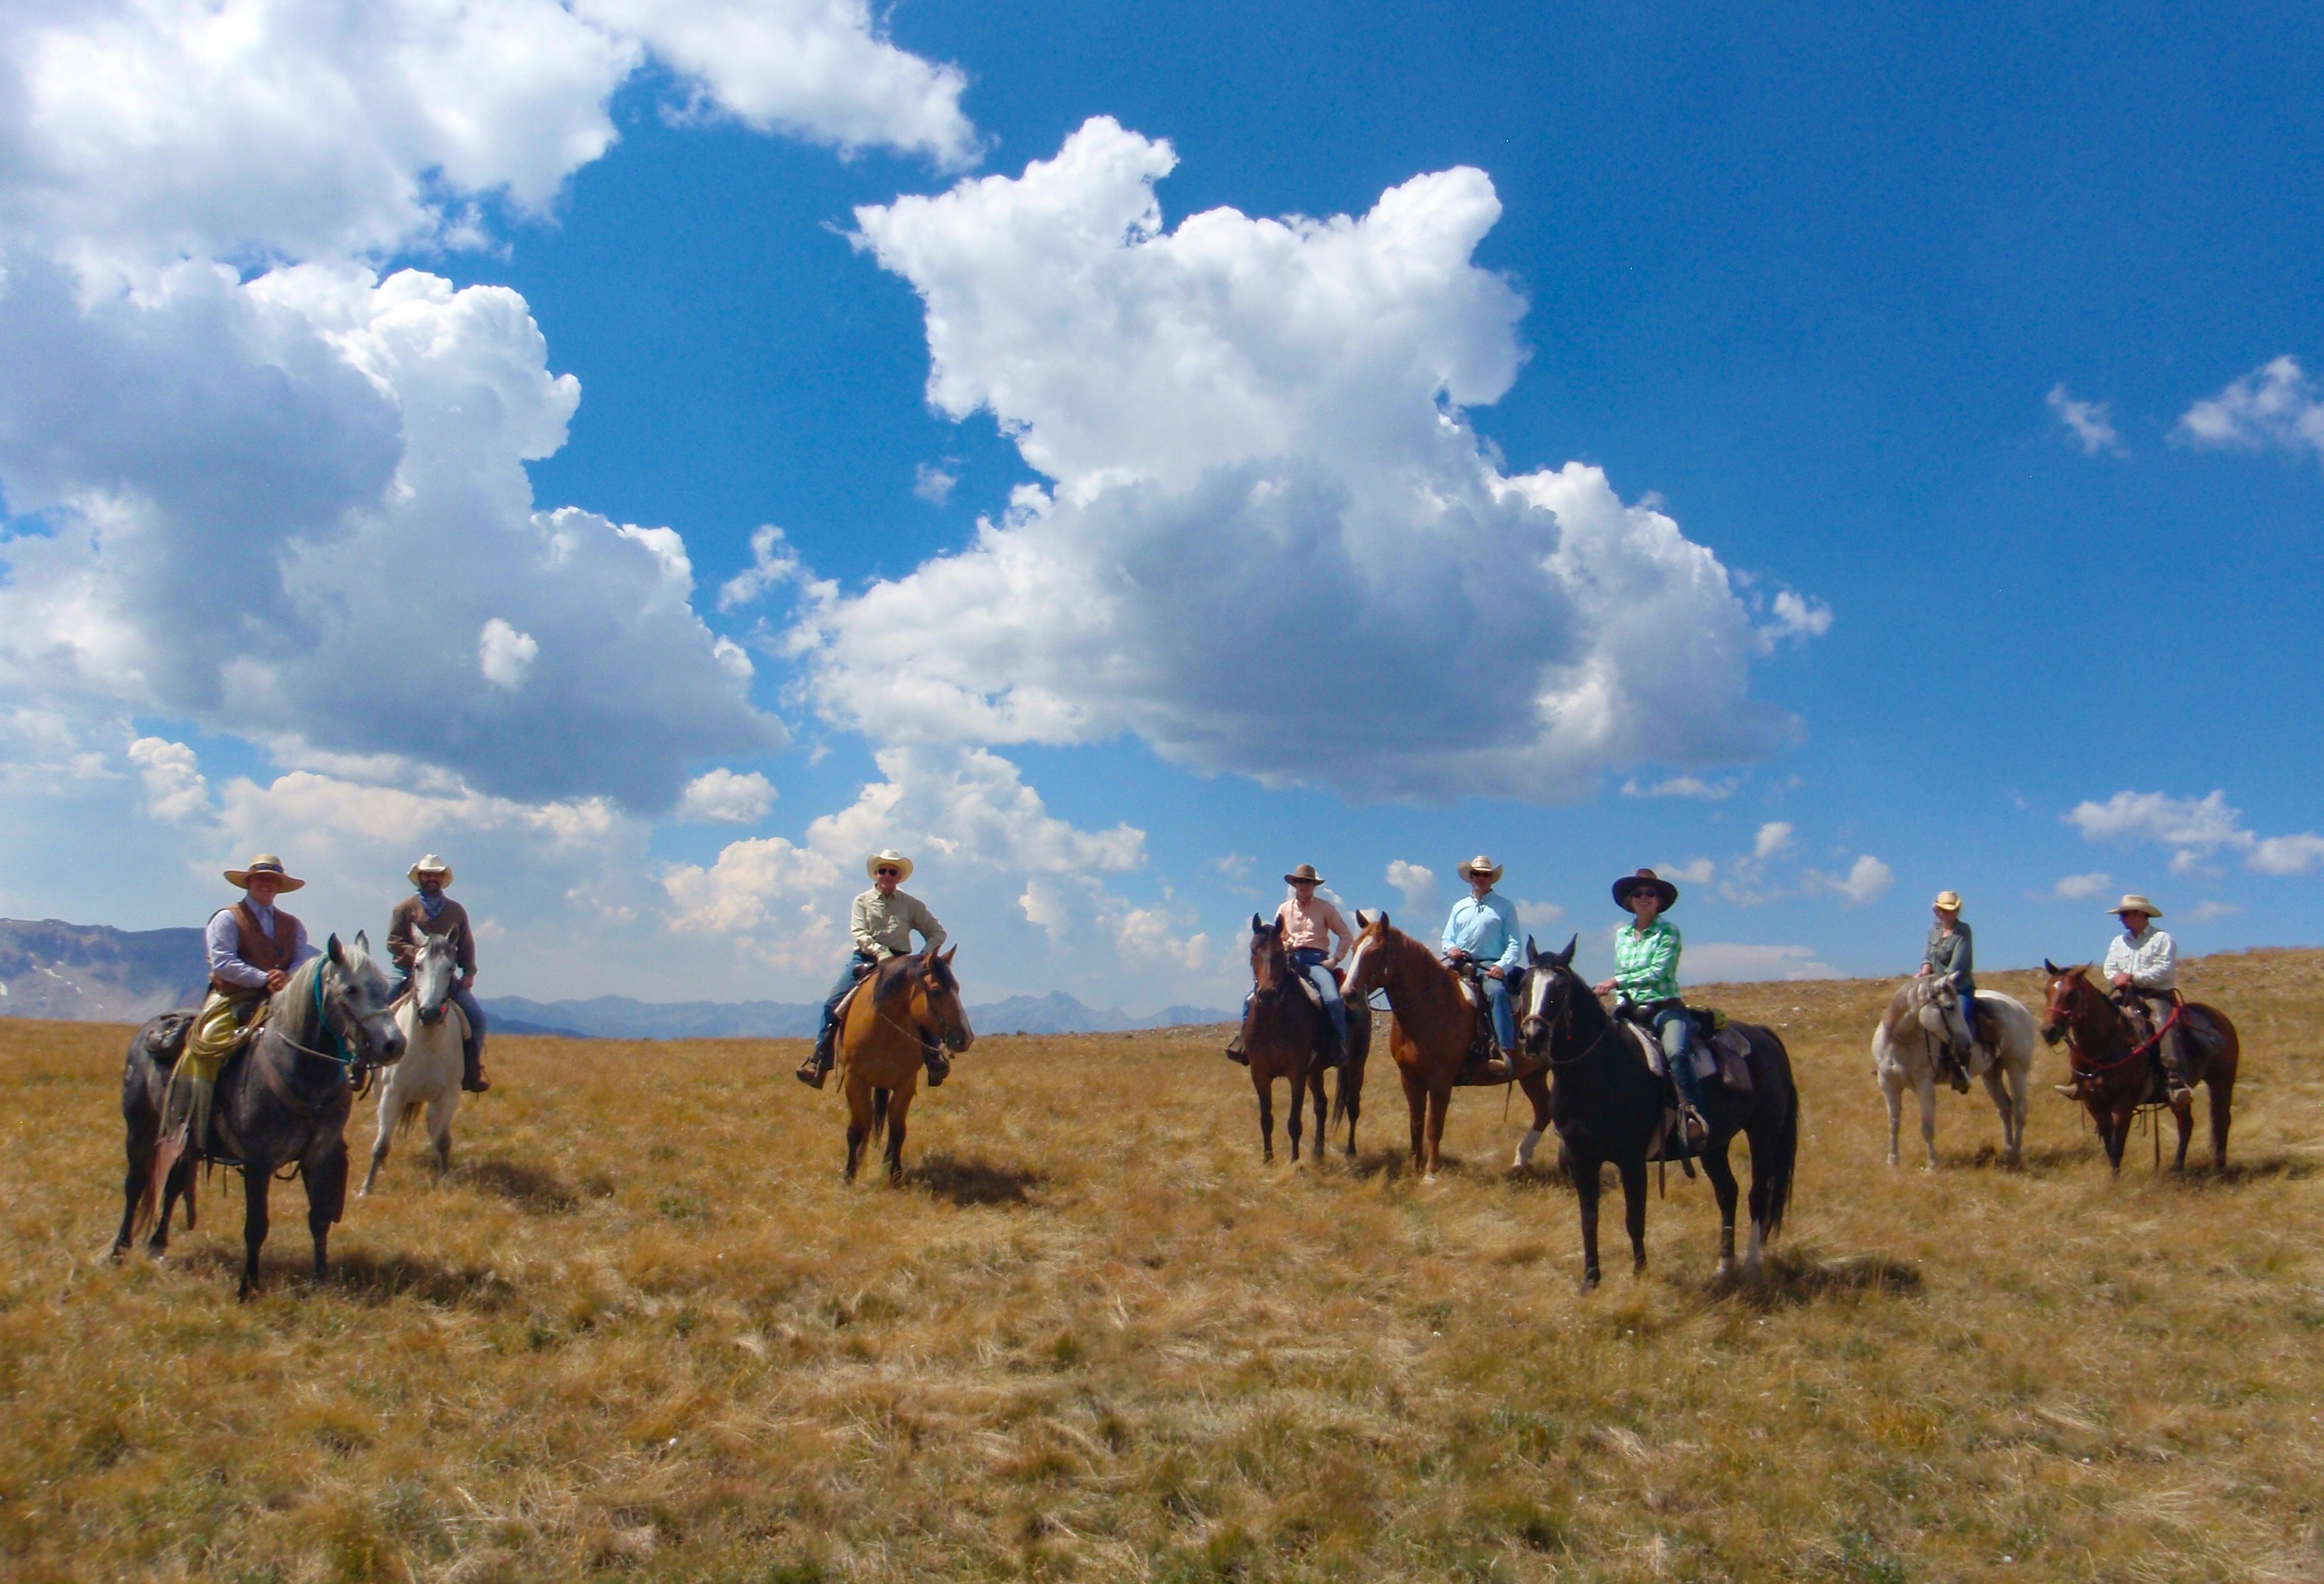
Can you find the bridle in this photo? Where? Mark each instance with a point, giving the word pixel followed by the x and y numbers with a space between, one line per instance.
pixel 916 1031
pixel 1562 1021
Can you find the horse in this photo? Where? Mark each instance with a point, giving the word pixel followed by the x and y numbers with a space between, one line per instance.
pixel 434 1028
pixel 1607 1105
pixel 2117 1074
pixel 904 1000
pixel 1279 1030
pixel 1923 1016
pixel 1430 1034
pixel 283 1101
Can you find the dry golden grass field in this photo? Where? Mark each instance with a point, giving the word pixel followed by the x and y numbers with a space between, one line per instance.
pixel 644 1330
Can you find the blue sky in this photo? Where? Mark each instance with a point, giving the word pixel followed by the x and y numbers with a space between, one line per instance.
pixel 1834 456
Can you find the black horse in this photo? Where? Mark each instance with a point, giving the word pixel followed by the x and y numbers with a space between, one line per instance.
pixel 1607 1105
pixel 284 1101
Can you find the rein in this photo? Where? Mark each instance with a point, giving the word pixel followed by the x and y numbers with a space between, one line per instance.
pixel 2090 1068
pixel 353 1068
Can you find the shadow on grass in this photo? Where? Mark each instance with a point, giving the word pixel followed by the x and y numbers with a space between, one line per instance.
pixel 1796 1278
pixel 528 1188
pixel 286 1267
pixel 972 1180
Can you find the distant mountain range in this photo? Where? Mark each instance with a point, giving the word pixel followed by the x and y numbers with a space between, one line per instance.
pixel 94 974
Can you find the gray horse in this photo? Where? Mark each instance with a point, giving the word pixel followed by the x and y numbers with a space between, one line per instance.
pixel 284 1101
pixel 1923 1016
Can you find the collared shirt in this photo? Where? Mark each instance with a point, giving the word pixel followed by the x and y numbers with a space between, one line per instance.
pixel 883 925
pixel 1313 926
pixel 1949 956
pixel 223 940
pixel 2150 957
pixel 1645 966
pixel 1486 928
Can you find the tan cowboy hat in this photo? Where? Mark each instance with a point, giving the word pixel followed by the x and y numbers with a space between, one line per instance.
pixel 264 863
pixel 1948 900
pixel 1645 880
pixel 1303 875
pixel 2131 902
pixel 889 855
pixel 429 864
pixel 1480 864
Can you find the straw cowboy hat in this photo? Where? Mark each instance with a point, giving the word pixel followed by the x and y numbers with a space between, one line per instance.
pixel 1479 865
pixel 1948 900
pixel 871 864
pixel 1303 875
pixel 429 864
pixel 2131 902
pixel 1645 880
pixel 264 863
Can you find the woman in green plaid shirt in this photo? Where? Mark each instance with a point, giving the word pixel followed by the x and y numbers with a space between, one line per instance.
pixel 1645 974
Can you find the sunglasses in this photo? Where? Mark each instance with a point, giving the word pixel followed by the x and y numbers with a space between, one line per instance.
pixel 888 873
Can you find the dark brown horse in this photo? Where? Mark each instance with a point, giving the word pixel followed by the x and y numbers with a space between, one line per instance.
pixel 1280 1030
pixel 2118 1074
pixel 1430 1034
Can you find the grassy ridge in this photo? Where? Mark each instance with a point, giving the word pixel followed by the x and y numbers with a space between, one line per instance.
pixel 643 1330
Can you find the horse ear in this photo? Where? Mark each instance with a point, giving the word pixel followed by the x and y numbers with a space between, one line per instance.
pixel 1565 959
pixel 1532 953
pixel 1379 920
pixel 1257 927
pixel 337 954
pixel 946 957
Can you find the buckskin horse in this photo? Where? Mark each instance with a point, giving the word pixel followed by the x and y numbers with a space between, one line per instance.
pixel 2119 1075
pixel 1279 1031
pixel 282 1103
pixel 906 999
pixel 1430 1034
pixel 1607 1105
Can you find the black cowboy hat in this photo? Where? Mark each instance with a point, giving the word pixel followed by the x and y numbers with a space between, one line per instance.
pixel 1642 880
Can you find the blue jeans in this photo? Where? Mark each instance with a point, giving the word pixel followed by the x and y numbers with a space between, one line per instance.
pixel 1676 1029
pixel 854 965
pixel 1496 1001
pixel 1310 961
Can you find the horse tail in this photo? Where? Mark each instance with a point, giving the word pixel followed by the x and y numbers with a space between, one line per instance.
pixel 1787 1152
pixel 879 1114
pixel 406 1117
pixel 1340 1095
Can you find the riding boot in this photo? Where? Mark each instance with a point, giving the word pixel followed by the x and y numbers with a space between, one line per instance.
pixel 932 1058
pixel 812 1070
pixel 1958 1060
pixel 1500 1067
pixel 1235 1053
pixel 2072 1090
pixel 472 1067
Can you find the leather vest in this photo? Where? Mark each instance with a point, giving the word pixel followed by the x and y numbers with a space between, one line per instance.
pixel 254 947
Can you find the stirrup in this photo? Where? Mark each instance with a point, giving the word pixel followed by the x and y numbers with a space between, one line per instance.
pixel 1689 1118
pixel 1235 1053
pixel 811 1072
pixel 938 1068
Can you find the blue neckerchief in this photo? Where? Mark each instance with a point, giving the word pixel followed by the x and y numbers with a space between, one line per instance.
pixel 431 905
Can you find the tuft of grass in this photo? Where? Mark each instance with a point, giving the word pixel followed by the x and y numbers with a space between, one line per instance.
pixel 642 1330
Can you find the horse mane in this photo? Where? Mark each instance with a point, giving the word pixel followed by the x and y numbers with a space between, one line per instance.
pixel 898 970
pixel 293 1012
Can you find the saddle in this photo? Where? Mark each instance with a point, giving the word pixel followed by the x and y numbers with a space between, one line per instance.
pixel 1482 1046
pixel 1722 1054
pixel 2197 1040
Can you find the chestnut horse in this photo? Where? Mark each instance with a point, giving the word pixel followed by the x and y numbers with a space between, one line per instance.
pixel 2118 1074
pixel 1430 1033
pixel 1607 1105
pixel 1279 1030
pixel 907 998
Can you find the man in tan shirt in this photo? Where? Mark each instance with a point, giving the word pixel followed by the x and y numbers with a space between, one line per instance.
pixel 883 922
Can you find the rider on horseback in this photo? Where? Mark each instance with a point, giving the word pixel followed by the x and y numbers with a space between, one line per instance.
pixel 1645 975
pixel 882 921
pixel 253 947
pixel 1948 957
pixel 1481 938
pixel 2142 967
pixel 429 912
pixel 1310 925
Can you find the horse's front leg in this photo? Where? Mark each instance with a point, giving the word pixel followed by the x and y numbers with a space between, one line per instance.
pixel 1323 1108
pixel 440 1111
pixel 325 1175
pixel 390 1103
pixel 1586 1189
pixel 256 1176
pixel 1415 1100
pixel 1925 1089
pixel 1291 1123
pixel 1633 1210
pixel 1264 1082
pixel 1723 1189
pixel 1892 1090
pixel 898 1103
pixel 2113 1132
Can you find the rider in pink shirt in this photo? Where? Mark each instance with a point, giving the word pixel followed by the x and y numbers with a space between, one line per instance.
pixel 1310 925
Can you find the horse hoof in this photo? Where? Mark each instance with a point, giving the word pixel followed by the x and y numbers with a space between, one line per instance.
pixel 1724 1274
pixel 1589 1281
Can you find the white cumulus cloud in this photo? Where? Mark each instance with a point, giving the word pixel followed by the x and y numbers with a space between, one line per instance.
pixel 1416 885
pixel 2196 830
pixel 2090 423
pixel 175 788
pixel 2275 405
pixel 1724 962
pixel 2075 888
pixel 504 655
pixel 1254 433
pixel 1867 880
pixel 727 799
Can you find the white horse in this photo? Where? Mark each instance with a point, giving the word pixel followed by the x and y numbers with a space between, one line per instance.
pixel 434 1029
pixel 1921 1017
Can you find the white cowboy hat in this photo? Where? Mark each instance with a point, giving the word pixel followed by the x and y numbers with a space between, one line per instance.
pixel 889 855
pixel 264 863
pixel 429 864
pixel 1948 900
pixel 1469 869
pixel 2131 902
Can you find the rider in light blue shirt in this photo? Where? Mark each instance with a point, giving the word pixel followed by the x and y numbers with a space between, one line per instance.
pixel 1483 929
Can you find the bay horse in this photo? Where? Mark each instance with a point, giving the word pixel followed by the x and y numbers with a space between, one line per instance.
pixel 904 1000
pixel 434 1029
pixel 1607 1105
pixel 2118 1074
pixel 1430 1033
pixel 1280 1026
pixel 1923 1016
pixel 283 1101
